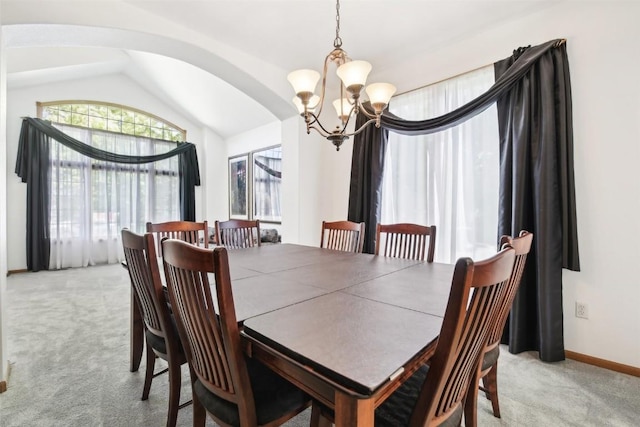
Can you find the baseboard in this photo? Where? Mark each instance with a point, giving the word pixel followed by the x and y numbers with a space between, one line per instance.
pixel 602 363
pixel 10 272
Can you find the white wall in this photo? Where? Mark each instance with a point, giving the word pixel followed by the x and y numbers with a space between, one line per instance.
pixel 213 174
pixel 602 44
pixel 117 89
pixel 290 228
pixel 324 184
pixel 261 137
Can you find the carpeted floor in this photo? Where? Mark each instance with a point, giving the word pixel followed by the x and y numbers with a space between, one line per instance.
pixel 69 348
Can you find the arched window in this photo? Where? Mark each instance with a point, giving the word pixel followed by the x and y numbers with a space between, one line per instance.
pixel 92 200
pixel 110 117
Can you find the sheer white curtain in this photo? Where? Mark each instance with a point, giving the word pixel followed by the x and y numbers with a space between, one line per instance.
pixel 450 178
pixel 267 179
pixel 91 201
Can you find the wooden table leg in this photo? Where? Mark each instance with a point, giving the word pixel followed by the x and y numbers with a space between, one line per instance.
pixel 351 411
pixel 136 335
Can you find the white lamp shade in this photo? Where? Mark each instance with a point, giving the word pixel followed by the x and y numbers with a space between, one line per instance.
pixel 313 103
pixel 304 80
pixel 342 109
pixel 354 73
pixel 380 93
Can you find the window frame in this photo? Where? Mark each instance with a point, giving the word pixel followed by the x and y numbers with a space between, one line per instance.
pixel 40 107
pixel 250 185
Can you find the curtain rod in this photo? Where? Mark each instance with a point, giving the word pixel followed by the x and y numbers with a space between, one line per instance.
pixel 441 80
pixel 558 44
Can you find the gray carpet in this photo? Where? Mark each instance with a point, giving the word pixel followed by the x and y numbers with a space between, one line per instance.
pixel 69 348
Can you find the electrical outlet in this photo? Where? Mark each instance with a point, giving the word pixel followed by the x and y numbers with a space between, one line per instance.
pixel 582 310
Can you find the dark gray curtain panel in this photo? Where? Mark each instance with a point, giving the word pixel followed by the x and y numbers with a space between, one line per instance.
pixel 537 193
pixel 365 192
pixel 33 167
pixel 535 147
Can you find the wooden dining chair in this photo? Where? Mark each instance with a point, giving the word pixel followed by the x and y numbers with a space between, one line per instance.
pixel 409 241
pixel 238 233
pixel 344 236
pixel 435 395
pixel 491 352
pixel 160 331
pixel 196 233
pixel 233 389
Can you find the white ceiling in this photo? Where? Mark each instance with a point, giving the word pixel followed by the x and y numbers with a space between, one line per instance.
pixel 286 34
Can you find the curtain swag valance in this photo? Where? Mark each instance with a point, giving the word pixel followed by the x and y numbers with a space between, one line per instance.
pixel 30 124
pixel 525 58
pixel 267 169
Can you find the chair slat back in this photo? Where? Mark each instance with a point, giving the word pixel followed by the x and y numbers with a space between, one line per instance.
pixel 140 254
pixel 238 233
pixel 211 337
pixel 344 236
pixel 476 293
pixel 522 246
pixel 409 241
pixel 196 233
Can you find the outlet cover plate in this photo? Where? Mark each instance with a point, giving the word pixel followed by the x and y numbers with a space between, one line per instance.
pixel 582 310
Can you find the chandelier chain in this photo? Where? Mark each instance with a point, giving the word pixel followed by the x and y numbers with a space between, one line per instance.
pixel 338 41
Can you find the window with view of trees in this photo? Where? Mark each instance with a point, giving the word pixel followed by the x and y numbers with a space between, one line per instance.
pixel 91 200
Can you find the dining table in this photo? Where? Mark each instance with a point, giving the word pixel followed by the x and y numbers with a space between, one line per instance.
pixel 347 328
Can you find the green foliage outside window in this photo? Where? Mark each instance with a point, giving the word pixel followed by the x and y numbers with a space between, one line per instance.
pixel 112 118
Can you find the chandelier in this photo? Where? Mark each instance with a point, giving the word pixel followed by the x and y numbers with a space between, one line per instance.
pixel 353 77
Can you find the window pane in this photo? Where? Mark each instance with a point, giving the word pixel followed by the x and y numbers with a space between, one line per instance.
pixel 267 179
pixel 450 178
pixel 97 123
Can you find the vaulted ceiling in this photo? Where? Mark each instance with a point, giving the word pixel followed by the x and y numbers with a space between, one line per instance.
pixel 224 63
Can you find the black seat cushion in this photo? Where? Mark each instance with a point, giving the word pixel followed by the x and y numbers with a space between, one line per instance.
pixel 397 409
pixel 490 358
pixel 157 343
pixel 273 395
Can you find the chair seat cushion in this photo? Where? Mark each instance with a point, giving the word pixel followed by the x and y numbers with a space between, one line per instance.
pixel 273 395
pixel 490 358
pixel 397 409
pixel 157 342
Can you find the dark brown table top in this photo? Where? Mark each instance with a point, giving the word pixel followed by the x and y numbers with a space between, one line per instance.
pixel 355 318
pixel 357 342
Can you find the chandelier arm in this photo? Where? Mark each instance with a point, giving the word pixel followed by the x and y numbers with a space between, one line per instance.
pixel 364 111
pixel 310 121
pixel 324 132
pixel 327 60
pixel 321 131
pixel 316 120
pixel 364 125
